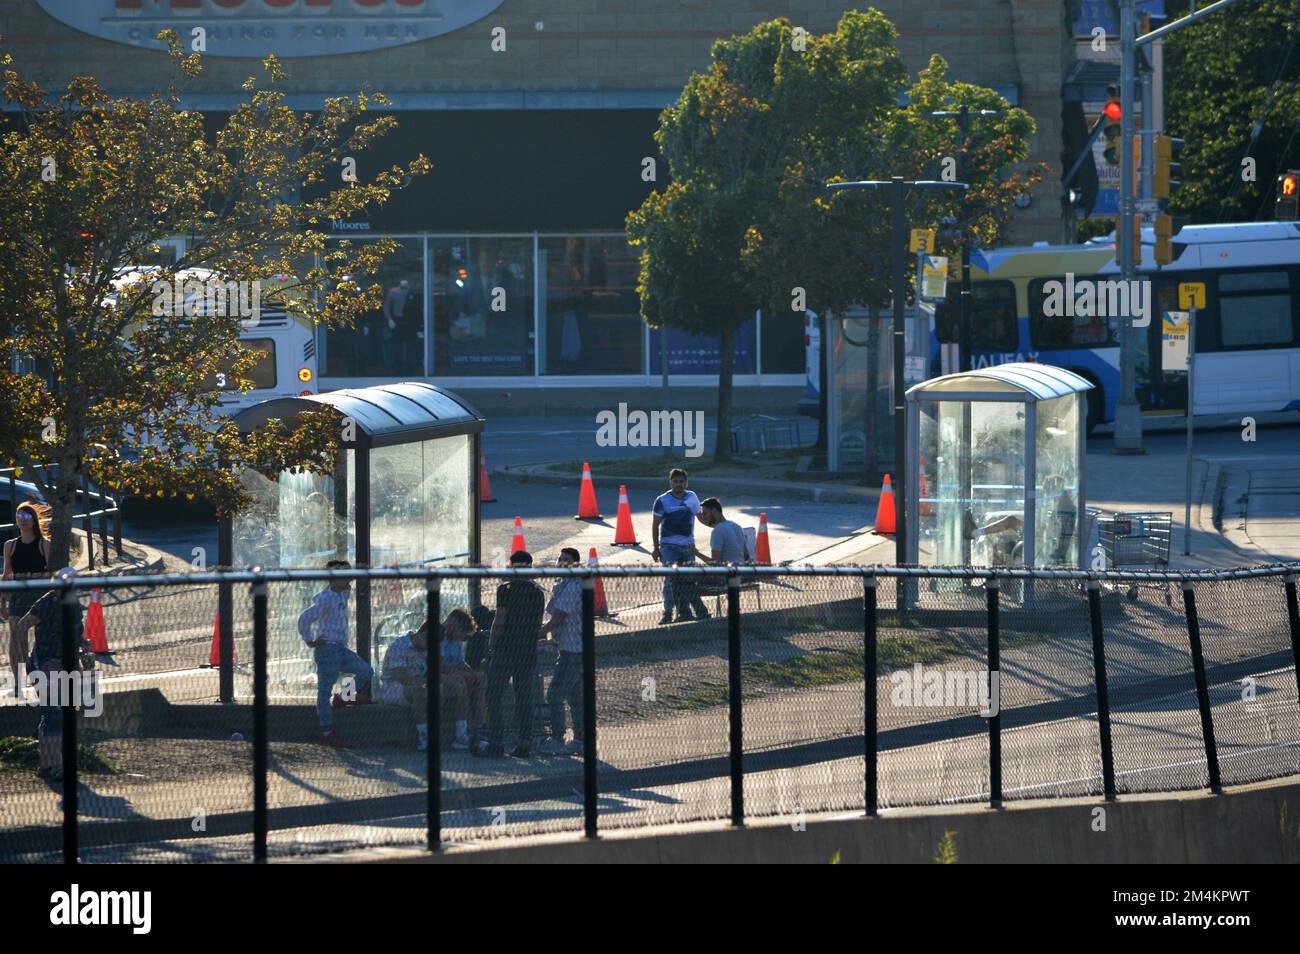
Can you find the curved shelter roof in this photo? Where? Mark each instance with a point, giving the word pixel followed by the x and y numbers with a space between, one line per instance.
pixel 1017 381
pixel 385 415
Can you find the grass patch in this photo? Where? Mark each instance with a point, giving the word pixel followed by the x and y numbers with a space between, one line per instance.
pixel 20 753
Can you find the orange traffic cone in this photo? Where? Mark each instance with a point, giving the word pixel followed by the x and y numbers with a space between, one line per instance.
pixel 624 535
pixel 764 555
pixel 214 657
pixel 484 485
pixel 517 543
pixel 588 509
pixel 885 509
pixel 602 607
pixel 95 626
pixel 923 492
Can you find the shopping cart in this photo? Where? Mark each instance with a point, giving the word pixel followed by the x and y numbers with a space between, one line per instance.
pixel 1136 539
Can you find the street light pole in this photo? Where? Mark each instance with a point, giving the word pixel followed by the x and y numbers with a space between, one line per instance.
pixel 1128 419
pixel 898 190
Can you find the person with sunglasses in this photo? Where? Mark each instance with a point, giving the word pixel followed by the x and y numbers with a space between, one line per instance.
pixel 26 556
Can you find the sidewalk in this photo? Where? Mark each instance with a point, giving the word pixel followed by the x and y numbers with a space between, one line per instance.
pixel 1245 511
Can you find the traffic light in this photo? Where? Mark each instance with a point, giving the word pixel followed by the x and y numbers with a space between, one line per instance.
pixel 1287 203
pixel 1164 184
pixel 1112 113
pixel 1168 168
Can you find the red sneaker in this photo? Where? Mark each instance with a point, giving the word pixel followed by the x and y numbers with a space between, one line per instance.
pixel 332 740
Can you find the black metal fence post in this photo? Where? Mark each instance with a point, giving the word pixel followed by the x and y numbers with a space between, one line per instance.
pixel 1103 694
pixel 87 521
pixel 1202 688
pixel 734 689
pixel 869 715
pixel 589 792
pixel 117 526
pixel 225 628
pixel 1293 616
pixel 69 610
pixel 260 742
pixel 995 719
pixel 433 709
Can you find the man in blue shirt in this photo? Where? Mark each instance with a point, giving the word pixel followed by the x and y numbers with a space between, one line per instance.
pixel 324 627
pixel 673 535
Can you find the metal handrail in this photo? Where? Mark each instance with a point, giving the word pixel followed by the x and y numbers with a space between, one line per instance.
pixel 256 575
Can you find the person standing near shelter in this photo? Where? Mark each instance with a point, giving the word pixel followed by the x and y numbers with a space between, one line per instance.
pixel 566 682
pixel 512 660
pixel 46 615
pixel 324 627
pixel 27 556
pixel 727 541
pixel 674 515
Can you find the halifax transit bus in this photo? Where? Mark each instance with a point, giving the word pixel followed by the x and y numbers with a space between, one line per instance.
pixel 1247 335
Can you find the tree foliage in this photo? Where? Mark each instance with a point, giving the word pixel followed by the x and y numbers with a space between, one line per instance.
pixel 1223 75
pixel 89 185
pixel 747 222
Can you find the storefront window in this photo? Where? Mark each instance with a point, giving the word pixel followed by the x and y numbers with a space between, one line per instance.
pixel 482 305
pixel 590 313
pixel 389 341
pixel 698 354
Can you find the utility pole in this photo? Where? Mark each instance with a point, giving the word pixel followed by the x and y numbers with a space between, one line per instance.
pixel 964 115
pixel 898 190
pixel 1128 419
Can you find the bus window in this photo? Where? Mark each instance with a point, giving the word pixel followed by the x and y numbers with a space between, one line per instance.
pixel 1063 331
pixel 262 374
pixel 1255 310
pixel 993 316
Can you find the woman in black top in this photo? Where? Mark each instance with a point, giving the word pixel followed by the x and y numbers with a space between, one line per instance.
pixel 27 556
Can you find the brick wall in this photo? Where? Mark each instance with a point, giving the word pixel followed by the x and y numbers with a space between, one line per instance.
pixel 603 45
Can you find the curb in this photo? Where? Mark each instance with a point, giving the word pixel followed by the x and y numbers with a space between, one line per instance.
pixel 528 473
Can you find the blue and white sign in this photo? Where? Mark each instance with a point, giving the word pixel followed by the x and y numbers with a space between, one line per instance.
pixel 257 28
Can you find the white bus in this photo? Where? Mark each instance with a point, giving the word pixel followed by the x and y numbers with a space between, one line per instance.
pixel 284 341
pixel 1247 335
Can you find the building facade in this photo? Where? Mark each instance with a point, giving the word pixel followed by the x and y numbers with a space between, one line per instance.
pixel 538 116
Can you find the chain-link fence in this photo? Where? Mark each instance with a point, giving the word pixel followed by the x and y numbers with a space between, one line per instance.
pixel 237 715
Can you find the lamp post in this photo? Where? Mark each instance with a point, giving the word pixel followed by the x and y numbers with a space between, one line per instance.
pixel 899 189
pixel 963 116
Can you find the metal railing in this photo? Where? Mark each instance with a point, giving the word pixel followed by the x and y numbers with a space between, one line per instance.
pixel 1075 589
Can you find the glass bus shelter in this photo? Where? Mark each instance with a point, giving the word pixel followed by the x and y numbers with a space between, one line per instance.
pixel 404 492
pixel 999 459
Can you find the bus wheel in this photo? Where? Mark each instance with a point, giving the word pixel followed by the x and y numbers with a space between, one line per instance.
pixel 1096 408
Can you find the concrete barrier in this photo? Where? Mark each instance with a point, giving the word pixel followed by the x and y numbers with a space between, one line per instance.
pixel 1257 823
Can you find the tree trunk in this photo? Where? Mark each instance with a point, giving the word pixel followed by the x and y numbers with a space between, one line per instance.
pixel 63 504
pixel 726 356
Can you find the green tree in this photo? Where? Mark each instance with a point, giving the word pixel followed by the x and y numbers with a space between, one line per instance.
pixel 751 144
pixel 1232 92
pixel 89 185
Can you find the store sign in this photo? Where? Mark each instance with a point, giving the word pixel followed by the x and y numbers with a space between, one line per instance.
pixel 256 28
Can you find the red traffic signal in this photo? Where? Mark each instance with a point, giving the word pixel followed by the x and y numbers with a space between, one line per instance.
pixel 1286 201
pixel 1113 111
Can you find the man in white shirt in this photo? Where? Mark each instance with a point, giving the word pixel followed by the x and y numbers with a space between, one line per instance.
pixel 565 626
pixel 727 541
pixel 324 627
